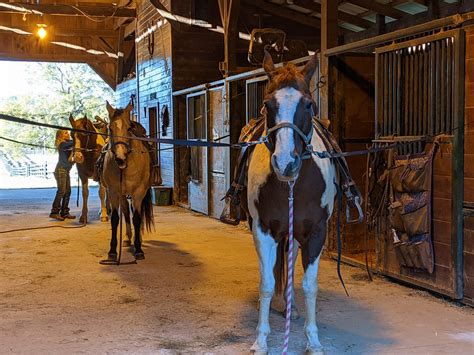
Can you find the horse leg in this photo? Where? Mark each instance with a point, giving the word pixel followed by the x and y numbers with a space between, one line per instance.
pixel 267 253
pixel 85 197
pixel 310 289
pixel 126 216
pixel 114 222
pixel 103 207
pixel 137 224
pixel 294 310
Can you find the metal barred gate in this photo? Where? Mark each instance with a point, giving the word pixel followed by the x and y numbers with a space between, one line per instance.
pixel 420 95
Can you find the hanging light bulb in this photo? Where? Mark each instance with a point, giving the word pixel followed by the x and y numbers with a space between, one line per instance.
pixel 41 32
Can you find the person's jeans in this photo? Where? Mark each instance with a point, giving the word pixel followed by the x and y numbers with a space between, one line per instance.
pixel 61 201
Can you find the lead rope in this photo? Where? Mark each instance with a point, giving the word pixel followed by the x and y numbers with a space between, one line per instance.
pixel 120 214
pixel 289 285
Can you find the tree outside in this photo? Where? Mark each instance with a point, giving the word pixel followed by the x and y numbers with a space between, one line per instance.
pixel 49 93
pixel 64 89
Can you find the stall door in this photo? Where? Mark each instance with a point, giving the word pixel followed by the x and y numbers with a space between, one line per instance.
pixel 219 158
pixel 197 130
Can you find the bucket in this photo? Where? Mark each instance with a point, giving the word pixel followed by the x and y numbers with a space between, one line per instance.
pixel 162 195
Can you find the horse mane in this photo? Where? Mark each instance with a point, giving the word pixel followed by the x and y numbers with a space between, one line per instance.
pixel 288 75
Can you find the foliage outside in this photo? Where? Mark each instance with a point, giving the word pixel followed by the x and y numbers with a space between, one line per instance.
pixel 67 89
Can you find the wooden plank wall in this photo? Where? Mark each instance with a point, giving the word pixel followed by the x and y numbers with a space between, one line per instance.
pixel 124 91
pixel 196 51
pixel 469 167
pixel 154 78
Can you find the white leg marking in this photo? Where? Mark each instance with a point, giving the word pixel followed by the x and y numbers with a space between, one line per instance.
pixel 329 175
pixel 266 250
pixel 310 289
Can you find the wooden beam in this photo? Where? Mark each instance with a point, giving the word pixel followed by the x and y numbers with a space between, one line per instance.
pixel 343 16
pixel 70 10
pixel 230 15
pixel 56 57
pixel 329 39
pixel 103 74
pixel 283 12
pixel 130 28
pixel 120 51
pixel 379 8
pixel 54 31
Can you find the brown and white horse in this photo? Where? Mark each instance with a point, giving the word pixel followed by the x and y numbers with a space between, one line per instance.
pixel 289 110
pixel 87 148
pixel 127 171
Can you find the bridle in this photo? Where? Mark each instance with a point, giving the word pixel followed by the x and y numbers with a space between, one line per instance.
pixel 306 138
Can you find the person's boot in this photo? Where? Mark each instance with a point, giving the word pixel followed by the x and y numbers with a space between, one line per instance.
pixel 56 216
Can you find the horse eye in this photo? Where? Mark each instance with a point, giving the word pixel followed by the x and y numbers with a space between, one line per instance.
pixel 308 103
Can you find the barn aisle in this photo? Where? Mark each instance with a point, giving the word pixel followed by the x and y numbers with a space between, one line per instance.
pixel 196 292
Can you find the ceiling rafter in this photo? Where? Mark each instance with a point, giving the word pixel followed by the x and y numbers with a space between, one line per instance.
pixel 342 16
pixel 70 10
pixel 382 9
pixel 287 13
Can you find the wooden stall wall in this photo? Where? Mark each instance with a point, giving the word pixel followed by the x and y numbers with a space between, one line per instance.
pixel 469 170
pixel 196 51
pixel 354 125
pixel 154 76
pixel 124 92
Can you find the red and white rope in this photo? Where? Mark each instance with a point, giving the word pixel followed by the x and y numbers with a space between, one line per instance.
pixel 289 285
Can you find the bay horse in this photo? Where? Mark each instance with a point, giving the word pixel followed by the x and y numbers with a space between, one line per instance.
pixel 87 148
pixel 127 171
pixel 289 107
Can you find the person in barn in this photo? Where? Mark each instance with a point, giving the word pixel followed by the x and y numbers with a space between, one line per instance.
pixel 60 208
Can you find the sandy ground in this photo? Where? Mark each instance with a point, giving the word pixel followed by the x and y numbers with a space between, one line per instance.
pixel 196 292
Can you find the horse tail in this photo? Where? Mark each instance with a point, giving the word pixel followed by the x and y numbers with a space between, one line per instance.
pixel 147 211
pixel 279 271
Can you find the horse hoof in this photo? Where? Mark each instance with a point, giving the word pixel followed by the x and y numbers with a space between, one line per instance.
pixel 104 219
pixel 83 220
pixel 112 257
pixel 256 349
pixel 126 243
pixel 317 350
pixel 295 315
pixel 139 256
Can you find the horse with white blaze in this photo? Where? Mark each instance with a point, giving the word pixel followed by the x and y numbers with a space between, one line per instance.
pixel 288 113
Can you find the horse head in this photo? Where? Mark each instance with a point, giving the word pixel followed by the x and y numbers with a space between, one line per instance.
pixel 119 126
pixel 81 140
pixel 289 109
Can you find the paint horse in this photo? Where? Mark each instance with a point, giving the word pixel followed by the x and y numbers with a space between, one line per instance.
pixel 289 112
pixel 87 148
pixel 127 171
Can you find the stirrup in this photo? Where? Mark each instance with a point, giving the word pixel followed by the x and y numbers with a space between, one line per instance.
pixel 354 203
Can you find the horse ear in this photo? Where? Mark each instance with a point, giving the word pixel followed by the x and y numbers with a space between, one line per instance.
pixel 71 120
pixel 268 65
pixel 110 110
pixel 310 68
pixel 129 106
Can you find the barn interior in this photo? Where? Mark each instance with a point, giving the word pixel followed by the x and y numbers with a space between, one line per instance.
pixel 389 72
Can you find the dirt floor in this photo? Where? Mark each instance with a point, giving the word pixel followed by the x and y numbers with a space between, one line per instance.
pixel 196 292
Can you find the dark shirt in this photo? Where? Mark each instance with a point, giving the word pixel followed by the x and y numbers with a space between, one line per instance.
pixel 64 150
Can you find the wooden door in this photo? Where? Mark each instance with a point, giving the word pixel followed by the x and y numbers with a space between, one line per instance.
pixel 219 158
pixel 197 130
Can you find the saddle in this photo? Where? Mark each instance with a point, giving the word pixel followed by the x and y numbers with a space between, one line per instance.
pixel 253 131
pixel 136 130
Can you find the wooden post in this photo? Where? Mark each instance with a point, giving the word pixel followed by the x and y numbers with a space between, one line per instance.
pixel 329 29
pixel 120 50
pixel 229 10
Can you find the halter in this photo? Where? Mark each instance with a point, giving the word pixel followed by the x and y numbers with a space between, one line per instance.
pixel 306 138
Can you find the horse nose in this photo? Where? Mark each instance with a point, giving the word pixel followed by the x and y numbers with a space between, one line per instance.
pixel 121 163
pixel 293 167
